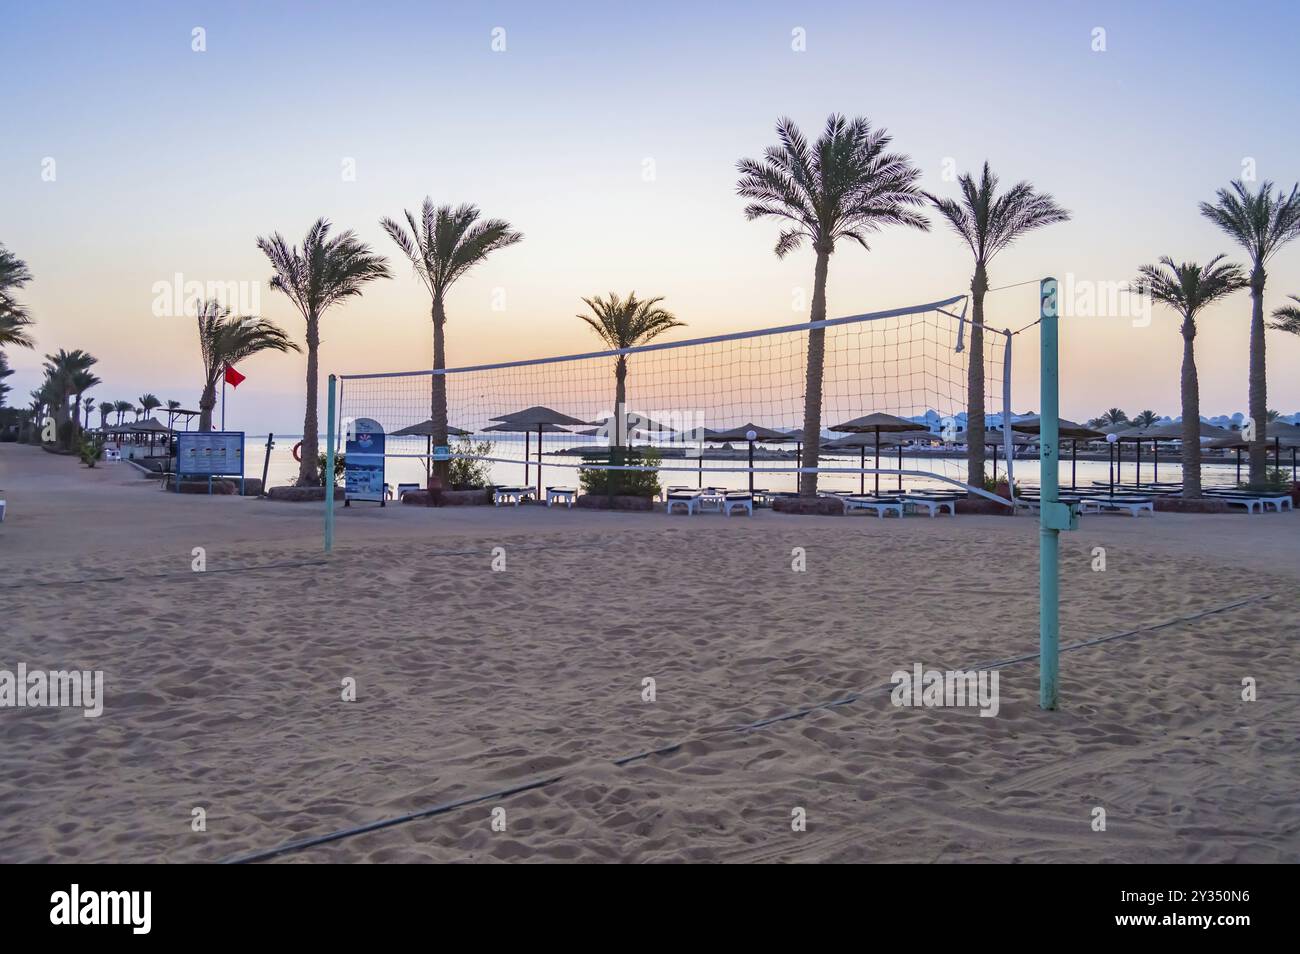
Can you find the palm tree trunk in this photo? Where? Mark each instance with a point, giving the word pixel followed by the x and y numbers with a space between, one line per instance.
pixel 207 402
pixel 975 381
pixel 438 390
pixel 620 399
pixel 1258 382
pixel 1191 413
pixel 307 473
pixel 812 402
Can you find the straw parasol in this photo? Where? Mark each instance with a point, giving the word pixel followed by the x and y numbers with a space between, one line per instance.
pixel 425 429
pixel 1075 432
pixel 750 433
pixel 863 440
pixel 542 420
pixel 874 424
pixel 1279 433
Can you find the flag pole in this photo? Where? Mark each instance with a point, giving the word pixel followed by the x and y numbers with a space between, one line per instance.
pixel 223 396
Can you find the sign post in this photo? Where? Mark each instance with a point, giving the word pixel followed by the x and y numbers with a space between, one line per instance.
pixel 363 467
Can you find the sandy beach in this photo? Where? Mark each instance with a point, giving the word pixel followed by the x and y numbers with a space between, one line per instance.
pixel 223 689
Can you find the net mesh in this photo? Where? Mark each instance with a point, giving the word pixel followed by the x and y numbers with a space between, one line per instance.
pixel 910 363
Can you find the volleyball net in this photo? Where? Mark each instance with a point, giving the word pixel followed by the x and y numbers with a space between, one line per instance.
pixel 724 410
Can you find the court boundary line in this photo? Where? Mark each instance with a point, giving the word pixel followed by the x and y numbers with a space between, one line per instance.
pixel 447 807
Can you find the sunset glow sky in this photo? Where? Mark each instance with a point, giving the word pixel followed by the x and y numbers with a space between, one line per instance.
pixel 173 161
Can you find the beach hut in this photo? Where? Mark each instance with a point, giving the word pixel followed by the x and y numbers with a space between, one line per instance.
pixel 539 420
pixel 750 433
pixel 875 424
pixel 1066 429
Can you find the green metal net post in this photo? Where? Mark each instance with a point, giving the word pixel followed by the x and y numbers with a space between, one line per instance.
pixel 329 470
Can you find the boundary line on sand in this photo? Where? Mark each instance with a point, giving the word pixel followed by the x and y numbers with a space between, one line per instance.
pixel 183 575
pixel 446 807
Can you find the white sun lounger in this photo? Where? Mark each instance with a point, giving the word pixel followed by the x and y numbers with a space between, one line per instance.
pixel 1251 501
pixel 879 506
pixel 690 499
pixel 565 495
pixel 510 495
pixel 932 504
pixel 1134 505
pixel 738 501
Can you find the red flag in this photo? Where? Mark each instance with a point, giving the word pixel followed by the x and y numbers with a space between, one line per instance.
pixel 233 377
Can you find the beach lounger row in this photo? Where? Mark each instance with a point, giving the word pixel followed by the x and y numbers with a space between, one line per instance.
pixel 717 500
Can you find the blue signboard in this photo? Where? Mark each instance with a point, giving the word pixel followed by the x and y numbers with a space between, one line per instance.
pixel 363 469
pixel 209 454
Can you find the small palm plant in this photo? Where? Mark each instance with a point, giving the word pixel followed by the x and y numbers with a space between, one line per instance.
pixel 315 277
pixel 1145 418
pixel 1188 288
pixel 626 323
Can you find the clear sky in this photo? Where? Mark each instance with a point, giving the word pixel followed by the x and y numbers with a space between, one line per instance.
pixel 173 161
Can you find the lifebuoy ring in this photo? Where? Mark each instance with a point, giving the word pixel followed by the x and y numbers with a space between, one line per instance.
pixel 297 452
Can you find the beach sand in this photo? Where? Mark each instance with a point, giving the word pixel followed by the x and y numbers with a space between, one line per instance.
pixel 223 688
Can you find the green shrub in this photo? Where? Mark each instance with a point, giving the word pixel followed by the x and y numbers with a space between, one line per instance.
pixel 88 450
pixel 630 483
pixel 340 462
pixel 470 474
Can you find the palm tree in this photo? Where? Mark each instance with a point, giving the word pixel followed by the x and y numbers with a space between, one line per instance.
pixel 323 273
pixel 172 408
pixel 842 187
pixel 988 223
pixel 223 340
pixel 5 371
pixel 442 246
pixel 14 317
pixel 122 407
pixel 1287 317
pixel 89 405
pixel 1187 288
pixel 626 323
pixel 1145 419
pixel 147 404
pixel 105 409
pixel 83 381
pixel 1114 416
pixel 61 370
pixel 1261 223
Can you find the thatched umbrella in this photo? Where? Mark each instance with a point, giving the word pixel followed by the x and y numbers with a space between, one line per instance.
pixel 1280 433
pixel 996 439
pixel 425 429
pixel 750 433
pixel 863 439
pixel 542 420
pixel 1075 432
pixel 1173 431
pixel 874 424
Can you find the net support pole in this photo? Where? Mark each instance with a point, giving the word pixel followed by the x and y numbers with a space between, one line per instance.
pixel 329 468
pixel 1008 447
pixel 1051 518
